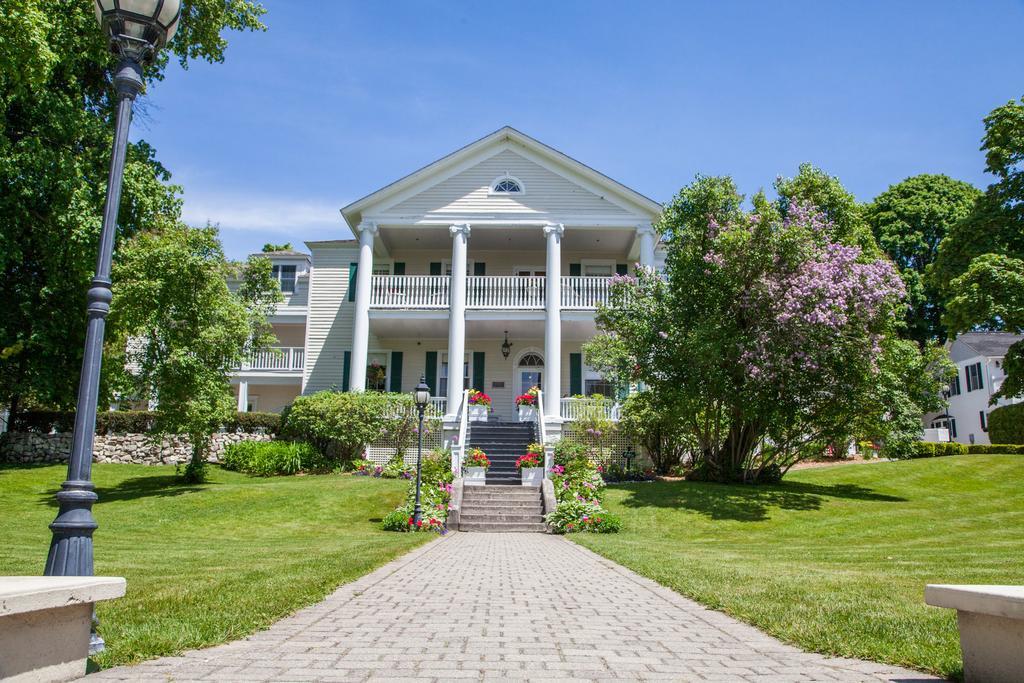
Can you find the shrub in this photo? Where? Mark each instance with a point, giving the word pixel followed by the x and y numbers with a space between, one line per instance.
pixel 655 424
pixel 42 421
pixel 1010 449
pixel 567 450
pixel 344 423
pixel 365 468
pixel 435 495
pixel 574 516
pixel 396 468
pixel 1006 424
pixel 924 449
pixel 254 423
pixel 125 421
pixel 269 458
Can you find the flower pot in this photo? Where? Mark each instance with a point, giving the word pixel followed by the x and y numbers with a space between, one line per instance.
pixel 478 413
pixel 475 476
pixel 532 476
pixel 527 413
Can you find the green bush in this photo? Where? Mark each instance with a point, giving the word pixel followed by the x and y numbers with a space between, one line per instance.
pixel 567 449
pixel 573 516
pixel 42 421
pixel 340 425
pixel 435 495
pixel 125 421
pixel 254 423
pixel 1006 424
pixel 655 424
pixel 984 449
pixel 131 422
pixel 269 458
pixel 924 449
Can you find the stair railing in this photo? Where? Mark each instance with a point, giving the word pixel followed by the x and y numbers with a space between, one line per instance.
pixel 541 434
pixel 459 450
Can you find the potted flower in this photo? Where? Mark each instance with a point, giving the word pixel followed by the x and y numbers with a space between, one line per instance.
pixel 476 467
pixel 527 405
pixel 479 405
pixel 531 465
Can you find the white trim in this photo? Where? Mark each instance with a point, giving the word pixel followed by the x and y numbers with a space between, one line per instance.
pixel 491 192
pixel 517 372
pixel 531 270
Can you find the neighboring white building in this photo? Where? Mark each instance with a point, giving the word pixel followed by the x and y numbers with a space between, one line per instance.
pixel 978 357
pixel 503 240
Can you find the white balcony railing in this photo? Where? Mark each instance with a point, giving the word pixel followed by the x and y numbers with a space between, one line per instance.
pixel 284 359
pixel 575 408
pixel 437 406
pixel 487 292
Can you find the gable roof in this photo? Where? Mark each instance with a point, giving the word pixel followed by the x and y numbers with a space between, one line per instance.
pixel 989 344
pixel 353 213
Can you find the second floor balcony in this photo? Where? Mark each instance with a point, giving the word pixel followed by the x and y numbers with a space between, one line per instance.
pixel 277 359
pixel 485 292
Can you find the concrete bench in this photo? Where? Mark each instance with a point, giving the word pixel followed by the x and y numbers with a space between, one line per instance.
pixel 45 623
pixel 991 621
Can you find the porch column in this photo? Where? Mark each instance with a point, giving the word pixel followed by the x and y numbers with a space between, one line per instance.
pixel 243 396
pixel 647 237
pixel 457 316
pixel 553 321
pixel 361 324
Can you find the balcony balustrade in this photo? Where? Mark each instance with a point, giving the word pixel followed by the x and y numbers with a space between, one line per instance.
pixel 283 359
pixel 575 408
pixel 485 292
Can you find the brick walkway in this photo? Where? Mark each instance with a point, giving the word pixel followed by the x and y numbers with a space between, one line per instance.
pixel 506 606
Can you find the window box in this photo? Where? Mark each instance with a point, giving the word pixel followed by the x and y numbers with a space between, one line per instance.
pixel 475 476
pixel 532 476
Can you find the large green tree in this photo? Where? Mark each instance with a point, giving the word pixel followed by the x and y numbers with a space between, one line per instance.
pixel 980 264
pixel 910 220
pixel 183 331
pixel 56 132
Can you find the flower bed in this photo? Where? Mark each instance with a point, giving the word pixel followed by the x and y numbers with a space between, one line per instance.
pixel 435 496
pixel 578 491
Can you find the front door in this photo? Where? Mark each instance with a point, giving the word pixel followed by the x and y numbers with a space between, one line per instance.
pixel 529 372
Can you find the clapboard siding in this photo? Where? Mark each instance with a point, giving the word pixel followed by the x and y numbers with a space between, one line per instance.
pixel 546 193
pixel 329 325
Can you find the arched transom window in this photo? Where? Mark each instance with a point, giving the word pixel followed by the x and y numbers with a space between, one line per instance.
pixel 506 184
pixel 531 360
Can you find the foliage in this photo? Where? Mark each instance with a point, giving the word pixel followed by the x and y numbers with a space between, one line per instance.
pixel 924 449
pixel 56 132
pixel 529 398
pixel 529 460
pixel 615 472
pixel 980 265
pixel 654 423
pixel 535 448
pixel 596 426
pixel 780 345
pixel 269 458
pixel 478 398
pixel 577 480
pixel 476 458
pixel 340 425
pixel 909 220
pixel 182 331
pixel 435 496
pixel 568 449
pixel 1006 424
pixel 995 448
pixel 254 423
pixel 396 468
pixel 582 516
pixel 133 422
pixel 269 247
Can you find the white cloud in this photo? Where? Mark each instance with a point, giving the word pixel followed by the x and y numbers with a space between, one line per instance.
pixel 262 214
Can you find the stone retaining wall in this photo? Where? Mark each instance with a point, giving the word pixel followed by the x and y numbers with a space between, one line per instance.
pixel 25 447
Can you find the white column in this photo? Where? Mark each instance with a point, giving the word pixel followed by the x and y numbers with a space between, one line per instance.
pixel 553 321
pixel 647 239
pixel 361 325
pixel 243 396
pixel 457 316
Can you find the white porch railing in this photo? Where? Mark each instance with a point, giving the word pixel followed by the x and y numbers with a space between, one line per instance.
pixel 284 358
pixel 487 292
pixel 574 408
pixel 459 449
pixel 437 407
pixel 583 292
pixel 409 291
pixel 541 434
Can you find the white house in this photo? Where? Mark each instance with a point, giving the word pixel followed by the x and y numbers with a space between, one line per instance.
pixel 978 357
pixel 496 254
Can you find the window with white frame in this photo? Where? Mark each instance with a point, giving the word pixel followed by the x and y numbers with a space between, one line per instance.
pixel 442 382
pixel 285 276
pixel 598 269
pixel 973 372
pixel 377 371
pixel 506 184
pixel 381 268
pixel 594 384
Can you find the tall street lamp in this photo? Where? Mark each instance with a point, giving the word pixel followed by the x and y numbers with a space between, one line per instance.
pixel 137 29
pixel 421 395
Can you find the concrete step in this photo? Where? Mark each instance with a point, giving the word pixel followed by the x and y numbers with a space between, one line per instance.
pixel 476 509
pixel 502 527
pixel 514 489
pixel 476 518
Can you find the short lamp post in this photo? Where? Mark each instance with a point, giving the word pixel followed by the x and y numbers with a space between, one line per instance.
pixel 421 395
pixel 137 30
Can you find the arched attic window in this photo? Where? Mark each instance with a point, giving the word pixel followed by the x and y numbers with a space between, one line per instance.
pixel 506 184
pixel 531 360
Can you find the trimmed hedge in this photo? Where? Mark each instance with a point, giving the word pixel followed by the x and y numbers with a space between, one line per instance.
pixel 269 458
pixel 1006 424
pixel 923 449
pixel 131 422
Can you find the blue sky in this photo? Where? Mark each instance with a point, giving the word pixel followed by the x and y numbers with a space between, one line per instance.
pixel 337 99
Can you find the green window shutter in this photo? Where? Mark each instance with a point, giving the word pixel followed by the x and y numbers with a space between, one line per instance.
pixel 346 369
pixel 575 374
pixel 352 282
pixel 399 268
pixel 981 384
pixel 621 269
pixel 431 371
pixel 478 370
pixel 396 370
pixel 435 268
pixel 575 269
pixel 480 268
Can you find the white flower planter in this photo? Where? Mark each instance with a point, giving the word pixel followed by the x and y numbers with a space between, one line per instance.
pixel 478 413
pixel 532 476
pixel 475 476
pixel 527 413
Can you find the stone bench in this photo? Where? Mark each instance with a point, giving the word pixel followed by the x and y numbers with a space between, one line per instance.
pixel 991 621
pixel 45 623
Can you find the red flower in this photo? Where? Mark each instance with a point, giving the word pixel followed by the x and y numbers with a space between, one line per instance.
pixel 410 520
pixel 419 522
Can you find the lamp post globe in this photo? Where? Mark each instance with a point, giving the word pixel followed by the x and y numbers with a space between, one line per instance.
pixel 421 396
pixel 136 29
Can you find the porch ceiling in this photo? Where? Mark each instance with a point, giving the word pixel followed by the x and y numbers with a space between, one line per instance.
pixel 576 327
pixel 495 237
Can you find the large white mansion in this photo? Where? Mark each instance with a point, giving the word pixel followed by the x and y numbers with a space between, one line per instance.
pixel 496 255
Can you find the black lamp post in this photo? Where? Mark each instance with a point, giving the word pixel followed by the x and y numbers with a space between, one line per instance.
pixel 421 395
pixel 137 29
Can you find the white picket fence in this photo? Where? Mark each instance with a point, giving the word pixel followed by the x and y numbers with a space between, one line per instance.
pixel 488 292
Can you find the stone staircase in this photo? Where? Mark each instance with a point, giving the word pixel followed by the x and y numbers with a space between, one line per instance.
pixel 497 508
pixel 503 442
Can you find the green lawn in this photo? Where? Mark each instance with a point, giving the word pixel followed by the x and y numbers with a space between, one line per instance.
pixel 834 559
pixel 210 563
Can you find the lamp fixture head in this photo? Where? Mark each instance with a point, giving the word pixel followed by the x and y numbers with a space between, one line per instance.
pixel 506 348
pixel 138 29
pixel 421 394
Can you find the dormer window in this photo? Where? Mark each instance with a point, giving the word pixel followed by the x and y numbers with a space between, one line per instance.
pixel 506 184
pixel 285 275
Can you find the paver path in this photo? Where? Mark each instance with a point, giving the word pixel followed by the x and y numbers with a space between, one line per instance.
pixel 507 606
